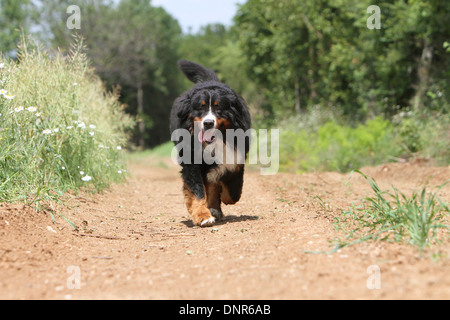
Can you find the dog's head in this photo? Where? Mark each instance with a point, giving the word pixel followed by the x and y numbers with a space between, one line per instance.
pixel 211 110
pixel 210 105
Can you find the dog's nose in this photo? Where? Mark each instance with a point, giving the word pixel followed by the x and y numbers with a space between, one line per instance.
pixel 208 124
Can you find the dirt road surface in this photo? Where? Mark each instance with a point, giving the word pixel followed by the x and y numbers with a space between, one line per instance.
pixel 136 241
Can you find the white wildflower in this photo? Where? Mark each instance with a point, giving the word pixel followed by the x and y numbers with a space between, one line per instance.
pixel 86 178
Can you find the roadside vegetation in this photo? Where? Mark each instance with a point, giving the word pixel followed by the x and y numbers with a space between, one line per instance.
pixel 60 130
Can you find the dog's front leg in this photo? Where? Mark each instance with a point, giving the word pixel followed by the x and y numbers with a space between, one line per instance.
pixel 213 191
pixel 195 196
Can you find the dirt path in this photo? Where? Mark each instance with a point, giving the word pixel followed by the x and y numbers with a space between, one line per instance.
pixel 137 242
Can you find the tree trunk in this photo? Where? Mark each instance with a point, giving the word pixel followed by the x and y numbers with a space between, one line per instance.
pixel 311 74
pixel 297 96
pixel 140 109
pixel 423 73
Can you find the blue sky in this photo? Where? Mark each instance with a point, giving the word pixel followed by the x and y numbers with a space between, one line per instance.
pixel 197 13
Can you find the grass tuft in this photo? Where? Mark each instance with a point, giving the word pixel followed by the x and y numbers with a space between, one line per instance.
pixel 393 216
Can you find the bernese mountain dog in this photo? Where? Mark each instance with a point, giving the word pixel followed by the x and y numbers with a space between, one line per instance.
pixel 209 111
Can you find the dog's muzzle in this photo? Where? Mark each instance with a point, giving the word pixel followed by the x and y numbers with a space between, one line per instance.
pixel 207 134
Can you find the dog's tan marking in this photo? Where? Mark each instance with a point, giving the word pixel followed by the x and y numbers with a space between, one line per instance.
pixel 223 124
pixel 198 209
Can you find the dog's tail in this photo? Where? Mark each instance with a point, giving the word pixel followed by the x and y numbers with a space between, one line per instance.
pixel 196 72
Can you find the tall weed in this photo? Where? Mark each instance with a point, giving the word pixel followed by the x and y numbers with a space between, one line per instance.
pixel 59 129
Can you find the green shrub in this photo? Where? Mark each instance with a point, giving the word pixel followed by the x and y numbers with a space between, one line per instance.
pixel 59 129
pixel 424 134
pixel 337 147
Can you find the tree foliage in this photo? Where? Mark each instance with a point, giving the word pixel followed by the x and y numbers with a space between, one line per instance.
pixel 14 17
pixel 320 52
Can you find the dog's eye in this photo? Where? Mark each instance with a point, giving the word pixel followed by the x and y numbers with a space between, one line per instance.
pixel 216 103
pixel 203 103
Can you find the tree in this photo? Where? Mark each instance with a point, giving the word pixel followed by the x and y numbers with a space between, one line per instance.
pixel 280 44
pixel 319 52
pixel 14 17
pixel 202 47
pixel 131 44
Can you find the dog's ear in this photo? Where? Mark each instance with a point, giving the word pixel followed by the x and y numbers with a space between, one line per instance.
pixel 239 110
pixel 180 113
pixel 196 72
pixel 184 108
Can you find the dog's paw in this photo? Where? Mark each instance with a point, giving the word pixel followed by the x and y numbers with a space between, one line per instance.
pixel 207 222
pixel 203 218
pixel 217 213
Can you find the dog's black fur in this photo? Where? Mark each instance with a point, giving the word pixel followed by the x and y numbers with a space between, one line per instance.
pixel 210 103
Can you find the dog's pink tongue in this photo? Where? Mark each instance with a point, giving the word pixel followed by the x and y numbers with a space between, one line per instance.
pixel 206 135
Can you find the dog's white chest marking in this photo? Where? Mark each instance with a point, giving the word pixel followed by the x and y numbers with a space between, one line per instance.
pixel 227 162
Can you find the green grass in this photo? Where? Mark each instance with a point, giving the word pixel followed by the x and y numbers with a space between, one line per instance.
pixel 60 130
pixel 162 151
pixel 420 219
